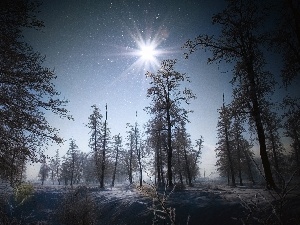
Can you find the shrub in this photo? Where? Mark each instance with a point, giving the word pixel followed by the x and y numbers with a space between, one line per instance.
pixel 23 192
pixel 78 207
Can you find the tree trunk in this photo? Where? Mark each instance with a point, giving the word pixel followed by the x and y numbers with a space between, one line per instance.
pixel 104 151
pixel 115 168
pixel 249 167
pixel 138 151
pixel 229 157
pixel 130 160
pixel 296 147
pixel 179 167
pixel 169 150
pixel 161 168
pixel 103 158
pixel 187 167
pixel 276 164
pixel 239 162
pixel 158 162
pixel 256 114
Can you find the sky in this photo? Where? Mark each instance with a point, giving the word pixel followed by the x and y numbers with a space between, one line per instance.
pixel 95 48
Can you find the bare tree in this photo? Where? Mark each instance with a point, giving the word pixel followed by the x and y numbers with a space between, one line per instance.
pixel 241 41
pixel 117 143
pixel 166 100
pixel 26 88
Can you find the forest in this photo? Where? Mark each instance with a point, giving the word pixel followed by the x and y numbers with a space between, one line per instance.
pixel 157 160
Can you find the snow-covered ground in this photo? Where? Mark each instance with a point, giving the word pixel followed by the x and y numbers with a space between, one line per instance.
pixel 205 203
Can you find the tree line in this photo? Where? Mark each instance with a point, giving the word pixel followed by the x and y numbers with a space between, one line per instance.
pixel 114 159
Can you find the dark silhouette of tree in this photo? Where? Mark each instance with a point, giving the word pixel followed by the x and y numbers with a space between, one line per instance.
pixel 44 172
pixel 167 96
pixel 224 148
pixel 286 38
pixel 130 159
pixel 72 154
pixel 57 166
pixel 275 147
pixel 155 140
pixel 185 161
pixel 241 41
pixel 104 148
pixel 138 150
pixel 100 135
pixel 117 146
pixel 95 125
pixel 292 128
pixel 26 88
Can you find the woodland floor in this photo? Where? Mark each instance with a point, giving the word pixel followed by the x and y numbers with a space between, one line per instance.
pixel 202 204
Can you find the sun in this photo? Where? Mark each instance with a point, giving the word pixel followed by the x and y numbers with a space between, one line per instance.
pixel 147 52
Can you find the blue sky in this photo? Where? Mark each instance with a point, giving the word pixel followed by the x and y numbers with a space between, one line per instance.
pixel 93 47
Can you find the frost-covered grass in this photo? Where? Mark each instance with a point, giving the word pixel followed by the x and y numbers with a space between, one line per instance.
pixel 210 202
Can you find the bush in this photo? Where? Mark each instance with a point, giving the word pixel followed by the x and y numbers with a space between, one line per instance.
pixel 78 207
pixel 23 192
